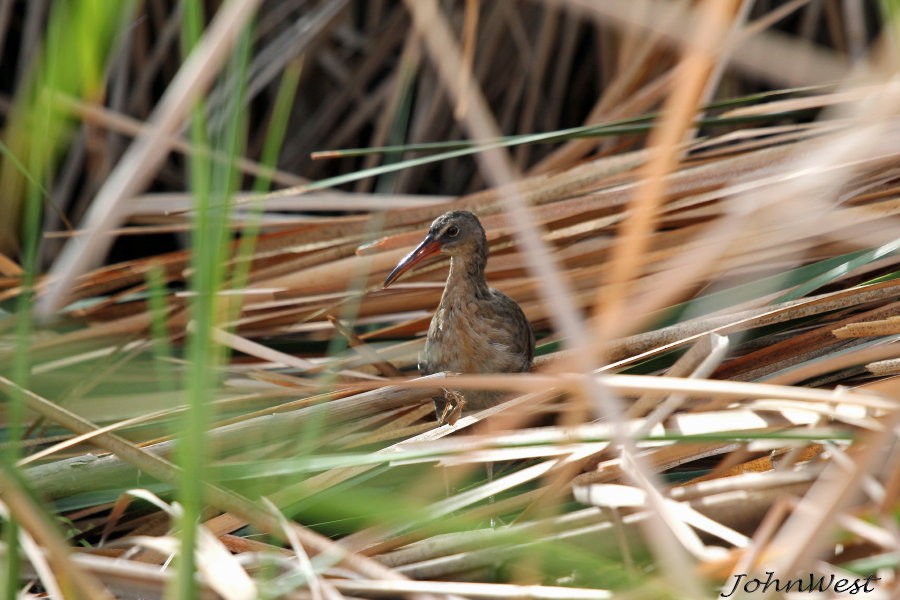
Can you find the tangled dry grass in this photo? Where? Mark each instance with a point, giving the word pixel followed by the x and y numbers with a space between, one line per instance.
pixel 712 273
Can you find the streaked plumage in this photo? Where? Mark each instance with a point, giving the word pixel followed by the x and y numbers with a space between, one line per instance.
pixel 475 329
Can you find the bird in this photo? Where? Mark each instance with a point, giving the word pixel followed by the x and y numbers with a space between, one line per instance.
pixel 475 328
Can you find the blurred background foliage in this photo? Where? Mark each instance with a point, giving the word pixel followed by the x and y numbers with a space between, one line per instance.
pixel 239 351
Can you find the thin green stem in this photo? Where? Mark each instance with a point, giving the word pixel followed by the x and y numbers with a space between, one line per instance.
pixel 190 455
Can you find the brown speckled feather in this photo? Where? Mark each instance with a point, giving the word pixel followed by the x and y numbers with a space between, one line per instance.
pixel 475 329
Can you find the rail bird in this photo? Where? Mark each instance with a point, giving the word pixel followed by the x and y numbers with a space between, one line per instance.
pixel 475 329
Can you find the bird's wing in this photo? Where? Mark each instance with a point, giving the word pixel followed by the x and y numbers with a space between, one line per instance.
pixel 517 334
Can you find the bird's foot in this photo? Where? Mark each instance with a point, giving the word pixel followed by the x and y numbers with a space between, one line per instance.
pixel 453 408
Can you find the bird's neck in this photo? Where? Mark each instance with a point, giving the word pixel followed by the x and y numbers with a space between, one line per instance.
pixel 467 276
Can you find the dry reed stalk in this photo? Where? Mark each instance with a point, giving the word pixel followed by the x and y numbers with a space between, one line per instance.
pixel 736 217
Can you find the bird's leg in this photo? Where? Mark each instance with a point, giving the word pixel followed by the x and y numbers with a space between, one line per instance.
pixel 453 408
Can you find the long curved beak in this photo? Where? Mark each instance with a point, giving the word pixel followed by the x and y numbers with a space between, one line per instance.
pixel 428 247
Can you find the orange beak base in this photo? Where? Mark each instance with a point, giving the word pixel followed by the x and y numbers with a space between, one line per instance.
pixel 428 247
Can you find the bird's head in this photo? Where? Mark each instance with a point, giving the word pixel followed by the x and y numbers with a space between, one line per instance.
pixel 456 233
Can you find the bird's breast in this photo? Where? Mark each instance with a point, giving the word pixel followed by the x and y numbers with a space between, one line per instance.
pixel 463 338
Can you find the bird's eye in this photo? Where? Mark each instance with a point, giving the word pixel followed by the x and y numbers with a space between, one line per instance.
pixel 452 231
